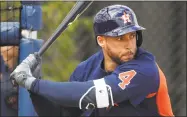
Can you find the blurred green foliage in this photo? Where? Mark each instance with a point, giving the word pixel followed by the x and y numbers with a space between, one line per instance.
pixel 59 61
pixel 9 10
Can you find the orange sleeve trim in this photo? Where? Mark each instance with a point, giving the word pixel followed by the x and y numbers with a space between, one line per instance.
pixel 151 95
pixel 162 98
pixel 115 104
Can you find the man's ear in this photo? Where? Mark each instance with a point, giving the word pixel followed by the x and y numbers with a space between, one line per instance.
pixel 101 41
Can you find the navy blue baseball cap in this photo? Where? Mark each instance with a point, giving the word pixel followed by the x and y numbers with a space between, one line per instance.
pixel 117 20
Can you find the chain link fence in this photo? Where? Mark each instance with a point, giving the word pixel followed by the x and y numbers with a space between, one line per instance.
pixel 9 30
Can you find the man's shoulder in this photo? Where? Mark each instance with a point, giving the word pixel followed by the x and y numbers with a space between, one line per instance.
pixel 144 63
pixel 143 54
pixel 86 67
pixel 92 60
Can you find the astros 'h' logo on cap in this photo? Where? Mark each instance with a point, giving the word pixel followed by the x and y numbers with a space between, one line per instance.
pixel 126 18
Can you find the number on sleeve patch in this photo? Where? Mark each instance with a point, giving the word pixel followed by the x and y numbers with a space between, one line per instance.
pixel 126 77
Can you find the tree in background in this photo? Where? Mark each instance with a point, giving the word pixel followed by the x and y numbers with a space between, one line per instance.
pixel 60 60
pixel 9 11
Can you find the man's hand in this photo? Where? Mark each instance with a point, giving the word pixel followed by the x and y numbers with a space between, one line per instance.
pixel 22 75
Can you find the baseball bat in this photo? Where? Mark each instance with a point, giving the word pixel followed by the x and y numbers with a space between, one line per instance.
pixel 74 13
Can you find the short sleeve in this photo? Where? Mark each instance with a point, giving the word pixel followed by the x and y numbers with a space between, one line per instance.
pixel 133 82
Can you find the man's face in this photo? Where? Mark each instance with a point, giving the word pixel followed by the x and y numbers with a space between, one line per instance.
pixel 121 49
pixel 10 55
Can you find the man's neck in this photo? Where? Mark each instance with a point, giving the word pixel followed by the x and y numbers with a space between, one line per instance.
pixel 109 65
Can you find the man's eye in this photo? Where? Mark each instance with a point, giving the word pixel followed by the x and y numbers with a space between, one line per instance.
pixel 132 36
pixel 120 38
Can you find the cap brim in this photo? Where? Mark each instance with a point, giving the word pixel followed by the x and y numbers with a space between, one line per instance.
pixel 124 30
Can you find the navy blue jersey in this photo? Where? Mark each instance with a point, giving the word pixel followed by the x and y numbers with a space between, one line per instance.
pixel 144 65
pixel 138 86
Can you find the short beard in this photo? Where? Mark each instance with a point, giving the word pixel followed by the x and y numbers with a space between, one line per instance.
pixel 114 57
pixel 116 60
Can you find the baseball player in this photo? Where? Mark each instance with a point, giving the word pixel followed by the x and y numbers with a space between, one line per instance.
pixel 10 55
pixel 8 93
pixel 121 79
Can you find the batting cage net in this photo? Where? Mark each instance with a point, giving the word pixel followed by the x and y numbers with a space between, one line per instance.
pixel 9 49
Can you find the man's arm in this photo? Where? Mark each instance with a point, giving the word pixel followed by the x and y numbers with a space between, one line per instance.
pixel 42 105
pixel 72 111
pixel 82 94
pixel 45 107
pixel 128 82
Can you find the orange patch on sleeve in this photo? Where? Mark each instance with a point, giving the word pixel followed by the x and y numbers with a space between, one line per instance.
pixel 162 98
pixel 151 95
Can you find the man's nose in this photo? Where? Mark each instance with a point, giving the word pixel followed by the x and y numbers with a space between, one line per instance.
pixel 129 43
